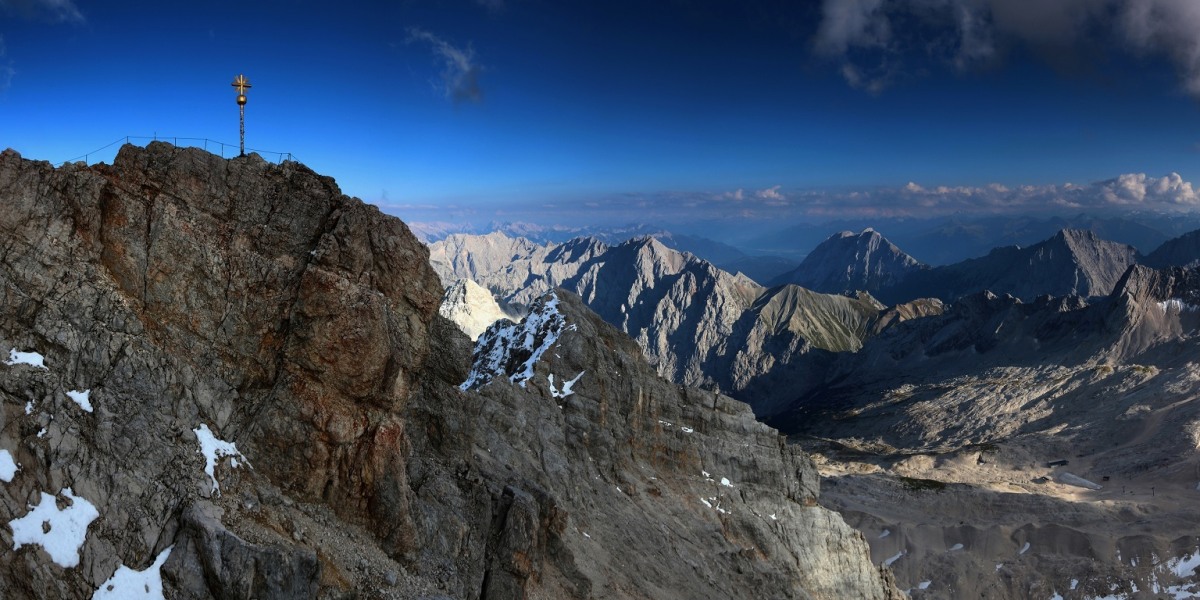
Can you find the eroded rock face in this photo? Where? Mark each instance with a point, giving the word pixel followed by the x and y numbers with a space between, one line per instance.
pixel 178 289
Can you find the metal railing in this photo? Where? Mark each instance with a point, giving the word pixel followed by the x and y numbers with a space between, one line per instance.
pixel 204 143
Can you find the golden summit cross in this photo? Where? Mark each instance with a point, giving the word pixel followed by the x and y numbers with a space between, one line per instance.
pixel 242 84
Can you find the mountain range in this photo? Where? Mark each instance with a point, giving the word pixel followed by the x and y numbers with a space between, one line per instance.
pixel 697 324
pixel 226 379
pixel 1031 413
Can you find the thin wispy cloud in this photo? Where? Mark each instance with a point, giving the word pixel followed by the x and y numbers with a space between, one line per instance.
pixel 492 5
pixel 6 68
pixel 878 42
pixel 460 71
pixel 54 11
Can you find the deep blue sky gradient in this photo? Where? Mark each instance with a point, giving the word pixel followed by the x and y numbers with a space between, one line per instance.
pixel 582 102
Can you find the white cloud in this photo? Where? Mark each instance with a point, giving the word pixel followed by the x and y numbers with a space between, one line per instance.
pixel 56 11
pixel 460 72
pixel 851 23
pixel 736 195
pixel 1168 27
pixel 771 193
pixel 1138 189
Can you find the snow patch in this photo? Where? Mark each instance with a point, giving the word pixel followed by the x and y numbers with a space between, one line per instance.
pixel 1024 548
pixel 706 503
pixel 82 399
pixel 725 482
pixel 32 359
pixel 1185 566
pixel 8 466
pixel 127 583
pixel 1177 305
pixel 924 585
pixel 505 343
pixel 566 386
pixel 687 429
pixel 1077 481
pixel 885 533
pixel 59 532
pixel 893 559
pixel 954 548
pixel 213 449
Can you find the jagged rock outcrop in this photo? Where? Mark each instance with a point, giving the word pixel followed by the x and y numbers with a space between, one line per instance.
pixel 671 462
pixel 1072 263
pixel 241 372
pixel 470 307
pixel 697 324
pixel 850 262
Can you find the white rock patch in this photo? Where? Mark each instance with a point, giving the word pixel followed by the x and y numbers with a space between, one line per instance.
pixel 127 583
pixel 60 532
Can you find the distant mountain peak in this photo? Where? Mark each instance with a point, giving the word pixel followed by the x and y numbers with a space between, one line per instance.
pixel 849 262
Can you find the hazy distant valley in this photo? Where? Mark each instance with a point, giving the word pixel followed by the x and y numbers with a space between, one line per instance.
pixel 962 429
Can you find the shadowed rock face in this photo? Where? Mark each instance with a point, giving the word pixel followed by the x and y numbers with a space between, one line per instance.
pixel 850 262
pixel 181 289
pixel 1072 263
pixel 1183 251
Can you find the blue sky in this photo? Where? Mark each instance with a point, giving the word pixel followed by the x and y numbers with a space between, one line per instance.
pixel 621 111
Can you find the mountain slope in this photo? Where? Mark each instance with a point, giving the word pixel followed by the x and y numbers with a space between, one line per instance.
pixel 1070 263
pixel 1036 430
pixel 241 373
pixel 1183 251
pixel 848 262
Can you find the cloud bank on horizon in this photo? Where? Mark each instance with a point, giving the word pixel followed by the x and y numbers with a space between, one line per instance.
pixel 875 42
pixel 1132 192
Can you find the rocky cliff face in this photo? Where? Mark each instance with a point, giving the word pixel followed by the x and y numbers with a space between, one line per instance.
pixel 851 262
pixel 227 372
pixel 697 324
pixel 471 307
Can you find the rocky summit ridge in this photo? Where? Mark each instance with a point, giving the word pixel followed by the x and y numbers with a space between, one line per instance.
pixel 228 374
